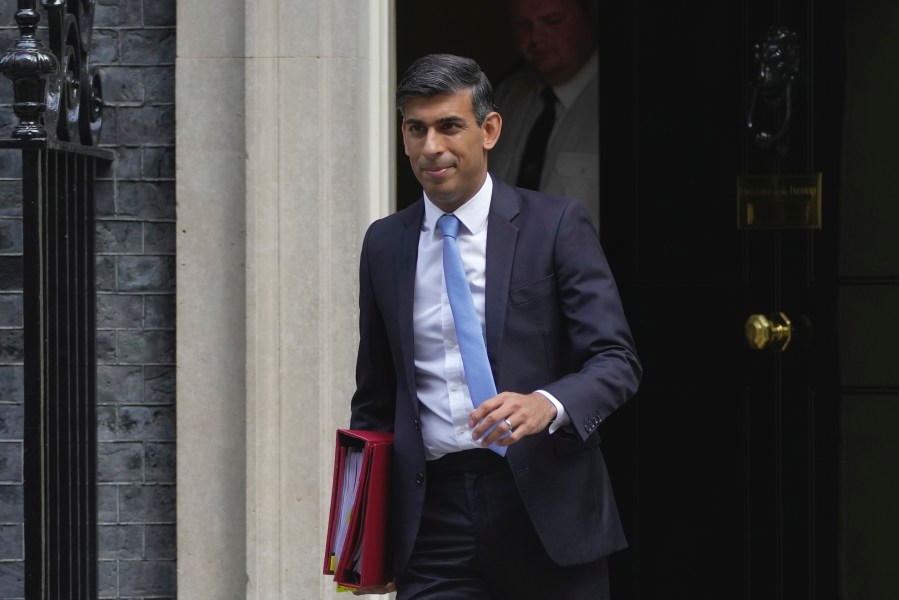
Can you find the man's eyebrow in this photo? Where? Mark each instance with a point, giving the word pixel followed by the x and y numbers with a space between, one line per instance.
pixel 440 121
pixel 450 118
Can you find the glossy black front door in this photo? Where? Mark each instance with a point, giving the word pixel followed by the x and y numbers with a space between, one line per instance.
pixel 725 466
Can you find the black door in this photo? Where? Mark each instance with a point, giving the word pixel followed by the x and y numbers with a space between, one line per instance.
pixel 725 466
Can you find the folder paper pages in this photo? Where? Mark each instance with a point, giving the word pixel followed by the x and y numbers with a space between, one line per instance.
pixel 356 548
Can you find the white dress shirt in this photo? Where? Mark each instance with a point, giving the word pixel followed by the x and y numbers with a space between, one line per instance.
pixel 440 378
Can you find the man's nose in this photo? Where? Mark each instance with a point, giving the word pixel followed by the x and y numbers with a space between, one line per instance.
pixel 433 143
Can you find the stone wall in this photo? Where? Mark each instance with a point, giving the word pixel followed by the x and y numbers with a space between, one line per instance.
pixel 134 44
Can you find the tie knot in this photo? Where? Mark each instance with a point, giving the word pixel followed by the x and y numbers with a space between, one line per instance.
pixel 449 225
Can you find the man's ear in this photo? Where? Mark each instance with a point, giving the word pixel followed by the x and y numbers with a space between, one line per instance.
pixel 492 126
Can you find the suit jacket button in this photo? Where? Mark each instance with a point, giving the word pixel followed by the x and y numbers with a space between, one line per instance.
pixel 419 478
pixel 416 423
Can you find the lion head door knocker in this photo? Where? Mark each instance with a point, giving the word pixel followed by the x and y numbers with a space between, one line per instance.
pixel 776 68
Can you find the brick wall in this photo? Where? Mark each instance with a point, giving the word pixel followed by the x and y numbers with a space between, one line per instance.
pixel 134 44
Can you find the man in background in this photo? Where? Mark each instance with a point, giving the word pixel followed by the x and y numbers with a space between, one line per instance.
pixel 550 105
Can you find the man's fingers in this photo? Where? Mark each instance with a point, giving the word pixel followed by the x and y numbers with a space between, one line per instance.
pixel 508 417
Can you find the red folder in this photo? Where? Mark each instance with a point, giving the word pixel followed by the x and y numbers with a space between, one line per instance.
pixel 364 558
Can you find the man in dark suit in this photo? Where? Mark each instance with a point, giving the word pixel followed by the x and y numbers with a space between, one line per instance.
pixel 467 522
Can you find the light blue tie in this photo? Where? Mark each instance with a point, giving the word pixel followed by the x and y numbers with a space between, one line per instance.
pixel 481 386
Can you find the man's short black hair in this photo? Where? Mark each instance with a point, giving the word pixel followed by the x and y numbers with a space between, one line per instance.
pixel 446 74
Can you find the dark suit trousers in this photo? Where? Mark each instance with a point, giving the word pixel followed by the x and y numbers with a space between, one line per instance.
pixel 476 541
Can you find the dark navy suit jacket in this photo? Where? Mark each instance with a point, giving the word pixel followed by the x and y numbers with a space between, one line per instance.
pixel 554 321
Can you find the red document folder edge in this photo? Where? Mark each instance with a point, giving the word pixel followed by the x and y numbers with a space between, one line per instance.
pixel 368 523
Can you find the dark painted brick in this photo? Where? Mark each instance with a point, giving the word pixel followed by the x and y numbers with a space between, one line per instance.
pixel 12 383
pixel 106 423
pixel 111 13
pixel 159 463
pixel 148 125
pixel 159 85
pixel 159 162
pixel 104 50
pixel 120 462
pixel 11 235
pixel 10 163
pixel 107 504
pixel 8 120
pixel 159 385
pixel 12 349
pixel 120 541
pixel 105 347
pixel 11 462
pixel 10 191
pixel 11 273
pixel 104 198
pixel 12 579
pixel 122 86
pixel 104 273
pixel 11 503
pixel 159 238
pixel 119 311
pixel 146 423
pixel 127 163
pixel 147 503
pixel 105 170
pixel 146 347
pixel 146 577
pixel 160 311
pixel 10 310
pixel 117 237
pixel 159 13
pixel 11 542
pixel 146 273
pixel 11 423
pixel 147 200
pixel 148 46
pixel 108 578
pixel 109 132
pixel 160 541
pixel 119 384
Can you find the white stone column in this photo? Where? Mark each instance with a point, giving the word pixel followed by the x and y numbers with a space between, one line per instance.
pixel 284 137
pixel 211 312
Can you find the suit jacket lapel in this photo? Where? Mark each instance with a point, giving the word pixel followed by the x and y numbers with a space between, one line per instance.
pixel 502 236
pixel 407 260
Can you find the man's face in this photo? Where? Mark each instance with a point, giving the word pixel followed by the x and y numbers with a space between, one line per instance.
pixel 556 36
pixel 446 148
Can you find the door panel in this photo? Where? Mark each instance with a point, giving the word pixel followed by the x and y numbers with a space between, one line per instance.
pixel 725 465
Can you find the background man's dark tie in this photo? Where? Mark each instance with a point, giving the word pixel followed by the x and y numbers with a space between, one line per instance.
pixel 535 148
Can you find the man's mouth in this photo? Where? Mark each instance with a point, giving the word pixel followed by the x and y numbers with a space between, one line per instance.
pixel 436 171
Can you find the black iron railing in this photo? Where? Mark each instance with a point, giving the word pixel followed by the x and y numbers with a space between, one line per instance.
pixel 57 101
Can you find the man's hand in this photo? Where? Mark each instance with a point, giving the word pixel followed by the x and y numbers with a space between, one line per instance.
pixel 381 589
pixel 527 414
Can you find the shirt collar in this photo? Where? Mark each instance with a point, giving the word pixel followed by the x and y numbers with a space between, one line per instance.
pixel 472 214
pixel 568 92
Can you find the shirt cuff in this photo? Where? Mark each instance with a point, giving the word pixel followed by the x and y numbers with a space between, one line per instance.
pixel 561 416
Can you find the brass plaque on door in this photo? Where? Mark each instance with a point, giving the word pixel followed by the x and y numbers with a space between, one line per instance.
pixel 779 201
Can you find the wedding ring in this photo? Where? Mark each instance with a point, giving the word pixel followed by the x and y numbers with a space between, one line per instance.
pixel 507 422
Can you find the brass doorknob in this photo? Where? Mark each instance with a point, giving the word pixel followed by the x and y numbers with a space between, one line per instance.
pixel 772 332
